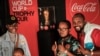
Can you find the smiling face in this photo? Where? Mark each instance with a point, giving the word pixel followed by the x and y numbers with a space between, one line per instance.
pixel 12 28
pixel 78 24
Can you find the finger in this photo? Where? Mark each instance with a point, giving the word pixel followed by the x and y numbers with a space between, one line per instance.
pixel 55 43
pixel 62 43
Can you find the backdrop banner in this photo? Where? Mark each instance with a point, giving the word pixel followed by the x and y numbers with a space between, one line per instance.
pixel 27 13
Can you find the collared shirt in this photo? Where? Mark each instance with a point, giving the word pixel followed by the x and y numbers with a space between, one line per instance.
pixel 7 45
pixel 74 44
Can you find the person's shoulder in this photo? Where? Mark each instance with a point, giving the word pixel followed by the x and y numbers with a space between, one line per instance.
pixel 21 36
pixel 95 33
pixel 91 25
pixel 3 36
pixel 22 39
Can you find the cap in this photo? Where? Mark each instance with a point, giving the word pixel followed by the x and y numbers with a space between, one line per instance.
pixel 12 19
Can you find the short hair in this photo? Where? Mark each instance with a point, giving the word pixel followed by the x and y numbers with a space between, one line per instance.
pixel 80 15
pixel 18 50
pixel 66 22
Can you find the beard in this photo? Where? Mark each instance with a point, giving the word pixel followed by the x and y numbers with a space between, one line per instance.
pixel 78 31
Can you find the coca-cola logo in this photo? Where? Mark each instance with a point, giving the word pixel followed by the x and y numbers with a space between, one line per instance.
pixel 90 8
pixel 87 7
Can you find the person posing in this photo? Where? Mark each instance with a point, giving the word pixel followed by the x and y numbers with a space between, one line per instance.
pixel 67 44
pixel 12 38
pixel 88 34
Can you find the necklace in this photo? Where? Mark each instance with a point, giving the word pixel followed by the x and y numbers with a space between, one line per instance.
pixel 14 38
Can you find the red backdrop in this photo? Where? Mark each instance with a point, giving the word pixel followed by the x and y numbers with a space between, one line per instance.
pixel 90 8
pixel 27 13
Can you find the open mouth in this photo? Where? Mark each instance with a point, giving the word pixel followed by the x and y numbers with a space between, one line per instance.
pixel 77 28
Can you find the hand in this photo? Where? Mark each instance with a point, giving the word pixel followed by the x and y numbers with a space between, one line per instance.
pixel 54 47
pixel 84 51
pixel 61 47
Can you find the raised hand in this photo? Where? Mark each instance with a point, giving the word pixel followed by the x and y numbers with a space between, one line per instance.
pixel 54 47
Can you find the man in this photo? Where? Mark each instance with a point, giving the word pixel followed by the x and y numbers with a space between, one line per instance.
pixel 71 49
pixel 12 39
pixel 88 34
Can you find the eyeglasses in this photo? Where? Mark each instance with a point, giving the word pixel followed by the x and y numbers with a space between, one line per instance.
pixel 62 29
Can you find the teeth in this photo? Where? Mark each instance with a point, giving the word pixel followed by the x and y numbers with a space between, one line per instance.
pixel 78 28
